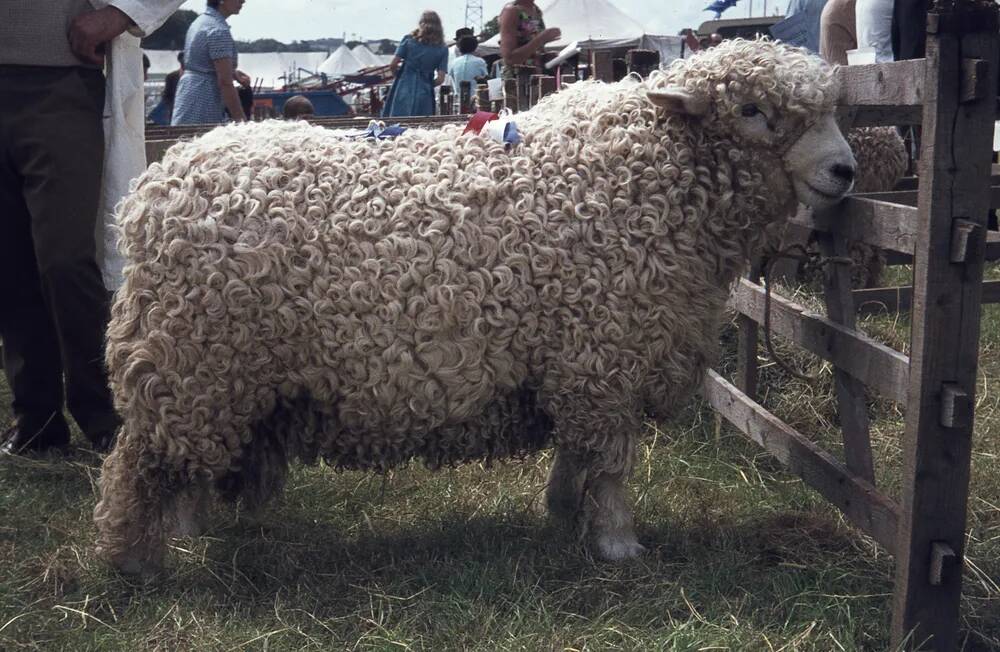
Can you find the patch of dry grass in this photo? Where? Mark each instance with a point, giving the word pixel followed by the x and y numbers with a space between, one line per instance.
pixel 742 555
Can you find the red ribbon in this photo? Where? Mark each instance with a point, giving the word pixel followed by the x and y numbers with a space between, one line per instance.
pixel 479 120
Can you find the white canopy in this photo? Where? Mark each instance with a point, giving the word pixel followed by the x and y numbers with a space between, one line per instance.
pixel 276 69
pixel 597 25
pixel 366 57
pixel 341 62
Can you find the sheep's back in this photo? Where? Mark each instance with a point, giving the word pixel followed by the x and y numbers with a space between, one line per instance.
pixel 378 277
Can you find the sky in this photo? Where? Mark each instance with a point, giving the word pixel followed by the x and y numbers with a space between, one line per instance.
pixel 289 20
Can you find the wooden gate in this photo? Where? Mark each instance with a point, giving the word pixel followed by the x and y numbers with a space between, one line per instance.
pixel 952 94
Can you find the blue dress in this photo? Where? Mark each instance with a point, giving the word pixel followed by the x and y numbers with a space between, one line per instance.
pixel 198 99
pixel 413 91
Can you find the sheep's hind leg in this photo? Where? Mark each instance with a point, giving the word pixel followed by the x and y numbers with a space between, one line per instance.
pixel 564 490
pixel 591 478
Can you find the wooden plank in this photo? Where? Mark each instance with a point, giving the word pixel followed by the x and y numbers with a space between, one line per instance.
pixel 880 367
pixel 897 83
pixel 899 299
pixel 601 66
pixel 878 116
pixel 861 503
pixel 339 122
pixel 909 197
pixel 954 165
pixel 881 93
pixel 910 183
pixel 747 345
pixel 159 140
pixel 883 224
pixel 852 399
pixel 155 149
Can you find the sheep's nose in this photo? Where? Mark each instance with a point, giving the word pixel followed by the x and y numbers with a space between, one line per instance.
pixel 843 172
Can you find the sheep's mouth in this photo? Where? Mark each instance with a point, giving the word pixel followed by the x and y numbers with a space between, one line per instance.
pixel 822 193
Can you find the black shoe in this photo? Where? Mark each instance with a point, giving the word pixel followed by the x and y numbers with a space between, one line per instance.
pixel 33 435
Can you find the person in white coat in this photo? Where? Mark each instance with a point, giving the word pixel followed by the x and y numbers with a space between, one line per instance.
pixel 874 27
pixel 64 129
pixel 125 109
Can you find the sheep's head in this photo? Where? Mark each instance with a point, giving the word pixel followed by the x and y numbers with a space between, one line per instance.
pixel 772 99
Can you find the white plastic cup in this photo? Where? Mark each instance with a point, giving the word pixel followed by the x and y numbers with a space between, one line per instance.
pixel 860 56
pixel 495 86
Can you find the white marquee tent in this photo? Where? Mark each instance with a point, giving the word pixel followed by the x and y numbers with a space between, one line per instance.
pixel 597 25
pixel 368 58
pixel 341 62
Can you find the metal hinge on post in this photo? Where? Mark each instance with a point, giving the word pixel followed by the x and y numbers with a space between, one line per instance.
pixel 956 406
pixel 941 554
pixel 974 80
pixel 967 240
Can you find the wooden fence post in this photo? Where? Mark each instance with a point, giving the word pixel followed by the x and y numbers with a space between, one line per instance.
pixel 602 66
pixel 747 372
pixel 959 110
pixel 483 97
pixel 465 97
pixel 546 86
pixel 444 102
pixel 852 399
pixel 510 100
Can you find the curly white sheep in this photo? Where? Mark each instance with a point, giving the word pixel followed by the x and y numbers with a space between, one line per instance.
pixel 293 295
pixel 881 163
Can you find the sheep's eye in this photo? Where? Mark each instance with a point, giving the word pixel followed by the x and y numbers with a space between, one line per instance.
pixel 749 110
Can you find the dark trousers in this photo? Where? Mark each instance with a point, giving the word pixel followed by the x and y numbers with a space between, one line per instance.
pixel 53 304
pixel 909 28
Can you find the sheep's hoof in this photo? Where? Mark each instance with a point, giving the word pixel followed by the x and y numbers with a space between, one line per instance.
pixel 186 528
pixel 135 567
pixel 618 546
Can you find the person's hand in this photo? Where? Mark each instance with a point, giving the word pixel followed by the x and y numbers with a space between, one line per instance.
pixel 90 31
pixel 551 34
pixel 242 79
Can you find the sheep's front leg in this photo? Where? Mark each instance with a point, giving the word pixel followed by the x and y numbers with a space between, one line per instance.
pixel 129 515
pixel 608 517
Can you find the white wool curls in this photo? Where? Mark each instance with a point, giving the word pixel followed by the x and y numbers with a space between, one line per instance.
pixel 435 296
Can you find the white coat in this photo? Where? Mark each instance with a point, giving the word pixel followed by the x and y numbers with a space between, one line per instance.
pixel 124 123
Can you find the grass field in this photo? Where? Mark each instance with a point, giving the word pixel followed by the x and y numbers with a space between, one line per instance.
pixel 742 555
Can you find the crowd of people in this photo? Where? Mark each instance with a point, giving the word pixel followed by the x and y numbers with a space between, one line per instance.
pixel 203 90
pixel 889 29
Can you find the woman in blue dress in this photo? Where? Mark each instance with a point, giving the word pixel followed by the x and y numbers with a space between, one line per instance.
pixel 205 91
pixel 424 59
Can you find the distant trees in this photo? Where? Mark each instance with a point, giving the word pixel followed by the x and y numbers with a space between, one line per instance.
pixel 386 46
pixel 490 29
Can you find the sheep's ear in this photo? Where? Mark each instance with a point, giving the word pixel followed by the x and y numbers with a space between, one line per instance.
pixel 674 99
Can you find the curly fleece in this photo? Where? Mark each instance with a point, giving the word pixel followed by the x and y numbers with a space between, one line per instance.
pixel 437 296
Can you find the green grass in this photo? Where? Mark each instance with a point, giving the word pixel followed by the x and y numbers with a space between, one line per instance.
pixel 742 555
